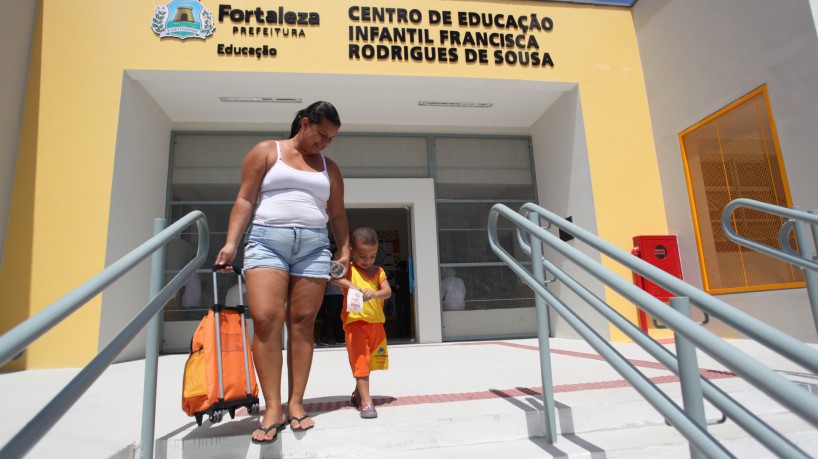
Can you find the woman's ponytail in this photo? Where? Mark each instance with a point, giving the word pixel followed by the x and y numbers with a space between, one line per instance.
pixel 315 112
pixel 296 126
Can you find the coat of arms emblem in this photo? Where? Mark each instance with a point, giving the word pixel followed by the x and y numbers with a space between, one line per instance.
pixel 183 19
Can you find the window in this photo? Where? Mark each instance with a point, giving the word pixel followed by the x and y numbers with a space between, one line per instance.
pixel 732 154
pixel 471 176
pixel 361 156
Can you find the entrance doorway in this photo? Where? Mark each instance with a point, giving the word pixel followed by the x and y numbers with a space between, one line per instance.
pixel 394 246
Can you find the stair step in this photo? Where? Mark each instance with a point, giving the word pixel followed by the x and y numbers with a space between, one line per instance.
pixel 585 430
pixel 459 400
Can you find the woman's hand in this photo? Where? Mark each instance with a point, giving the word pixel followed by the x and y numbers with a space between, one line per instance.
pixel 225 257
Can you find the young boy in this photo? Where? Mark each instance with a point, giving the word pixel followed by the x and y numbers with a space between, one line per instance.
pixel 363 325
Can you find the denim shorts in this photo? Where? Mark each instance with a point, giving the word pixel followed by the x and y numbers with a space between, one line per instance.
pixel 301 252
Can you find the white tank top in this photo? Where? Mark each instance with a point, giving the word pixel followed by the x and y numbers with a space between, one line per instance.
pixel 291 197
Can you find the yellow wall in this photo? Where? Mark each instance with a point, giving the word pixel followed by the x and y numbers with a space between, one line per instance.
pixel 622 156
pixel 17 268
pixel 59 213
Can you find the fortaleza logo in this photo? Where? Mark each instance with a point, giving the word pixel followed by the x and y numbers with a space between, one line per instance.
pixel 183 19
pixel 268 23
pixel 263 25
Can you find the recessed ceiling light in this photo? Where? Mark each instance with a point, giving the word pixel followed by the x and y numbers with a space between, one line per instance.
pixel 274 100
pixel 436 103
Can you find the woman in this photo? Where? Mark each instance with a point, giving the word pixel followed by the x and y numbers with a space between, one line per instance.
pixel 291 190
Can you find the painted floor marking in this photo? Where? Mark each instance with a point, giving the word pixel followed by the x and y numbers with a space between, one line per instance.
pixel 518 391
pixel 585 355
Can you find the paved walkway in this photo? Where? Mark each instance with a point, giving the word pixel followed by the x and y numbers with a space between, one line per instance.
pixel 435 389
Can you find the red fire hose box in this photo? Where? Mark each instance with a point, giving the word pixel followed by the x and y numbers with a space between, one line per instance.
pixel 662 252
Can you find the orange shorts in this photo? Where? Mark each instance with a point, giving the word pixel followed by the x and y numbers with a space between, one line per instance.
pixel 366 347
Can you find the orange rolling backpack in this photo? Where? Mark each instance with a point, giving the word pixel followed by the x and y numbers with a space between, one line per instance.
pixel 219 373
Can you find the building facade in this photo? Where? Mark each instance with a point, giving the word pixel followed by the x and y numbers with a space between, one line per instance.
pixel 144 109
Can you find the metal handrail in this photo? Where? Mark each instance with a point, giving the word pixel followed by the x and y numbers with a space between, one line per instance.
pixel 16 340
pixel 690 421
pixel 797 221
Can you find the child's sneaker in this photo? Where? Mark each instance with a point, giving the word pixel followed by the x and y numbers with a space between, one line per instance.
pixel 368 411
pixel 355 400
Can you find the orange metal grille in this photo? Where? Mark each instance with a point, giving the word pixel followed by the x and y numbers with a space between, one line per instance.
pixel 734 154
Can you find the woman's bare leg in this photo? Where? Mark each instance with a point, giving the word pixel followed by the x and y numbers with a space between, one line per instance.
pixel 305 296
pixel 266 296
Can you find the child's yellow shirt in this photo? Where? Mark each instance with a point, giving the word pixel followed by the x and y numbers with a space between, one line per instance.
pixel 373 309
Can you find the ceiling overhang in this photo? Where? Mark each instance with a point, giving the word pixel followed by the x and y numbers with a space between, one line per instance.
pixel 366 103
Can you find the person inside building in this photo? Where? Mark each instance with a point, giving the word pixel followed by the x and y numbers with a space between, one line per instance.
pixel 402 298
pixel 452 291
pixel 332 330
pixel 291 191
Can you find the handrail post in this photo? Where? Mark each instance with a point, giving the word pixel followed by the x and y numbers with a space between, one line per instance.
pixel 543 337
pixel 814 234
pixel 689 379
pixel 810 276
pixel 152 350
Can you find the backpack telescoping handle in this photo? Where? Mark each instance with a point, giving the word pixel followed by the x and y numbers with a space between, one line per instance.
pixel 235 270
pixel 216 309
